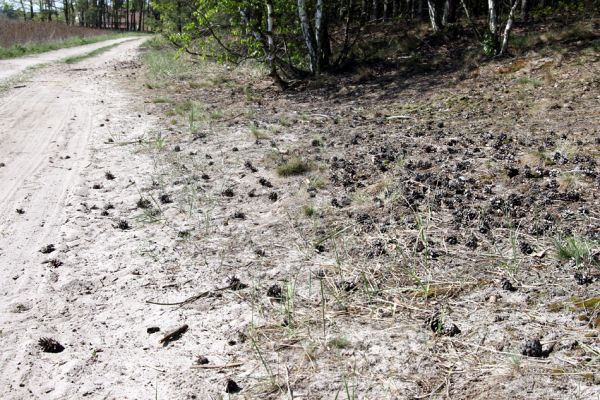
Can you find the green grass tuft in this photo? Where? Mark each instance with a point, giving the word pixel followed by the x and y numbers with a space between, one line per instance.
pixel 293 166
pixel 572 248
pixel 93 53
pixel 339 342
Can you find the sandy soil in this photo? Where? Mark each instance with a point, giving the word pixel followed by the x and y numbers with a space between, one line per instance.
pixel 10 68
pixel 416 258
pixel 163 191
pixel 55 150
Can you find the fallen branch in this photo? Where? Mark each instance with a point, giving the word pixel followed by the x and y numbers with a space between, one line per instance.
pixel 400 117
pixel 174 335
pixel 193 298
pixel 222 366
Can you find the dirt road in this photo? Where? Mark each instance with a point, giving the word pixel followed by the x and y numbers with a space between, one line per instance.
pixel 55 155
pixel 12 67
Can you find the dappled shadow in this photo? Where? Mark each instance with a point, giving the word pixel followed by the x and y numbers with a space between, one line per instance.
pixel 435 60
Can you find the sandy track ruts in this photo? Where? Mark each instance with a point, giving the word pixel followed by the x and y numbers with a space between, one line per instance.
pixel 52 144
pixel 12 67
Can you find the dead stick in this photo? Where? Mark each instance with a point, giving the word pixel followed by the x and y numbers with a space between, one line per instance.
pixel 207 366
pixel 189 299
pixel 174 334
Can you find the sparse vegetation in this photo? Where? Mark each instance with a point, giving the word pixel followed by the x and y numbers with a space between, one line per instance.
pixel 293 166
pixel 404 206
pixel 412 215
pixel 93 53
pixel 572 248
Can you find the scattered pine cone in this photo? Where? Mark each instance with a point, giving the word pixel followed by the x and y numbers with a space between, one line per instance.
pixel 274 292
pixel 50 345
pixel 532 348
pixel 235 283
pixel 232 387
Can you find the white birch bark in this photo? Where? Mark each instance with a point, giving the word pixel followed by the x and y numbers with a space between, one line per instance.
pixel 493 17
pixel 508 27
pixel 307 33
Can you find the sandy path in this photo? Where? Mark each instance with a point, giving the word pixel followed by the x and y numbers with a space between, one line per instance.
pixel 54 149
pixel 12 67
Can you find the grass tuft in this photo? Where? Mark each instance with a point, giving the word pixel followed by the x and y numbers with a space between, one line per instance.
pixel 293 166
pixel 93 53
pixel 572 248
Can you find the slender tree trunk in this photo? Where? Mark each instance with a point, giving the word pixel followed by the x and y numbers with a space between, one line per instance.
pixel 395 8
pixel 179 23
pixel 508 27
pixel 66 10
pixel 493 17
pixel 133 19
pixel 449 12
pixel 308 36
pixel 24 12
pixel 142 19
pixel 127 16
pixel 270 50
pixel 319 33
pixel 435 14
pixel 375 10
pixel 386 9
pixel 525 10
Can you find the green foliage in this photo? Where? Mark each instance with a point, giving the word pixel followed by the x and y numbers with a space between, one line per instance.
pixel 490 44
pixel 561 7
pixel 236 30
pixel 164 64
pixel 572 248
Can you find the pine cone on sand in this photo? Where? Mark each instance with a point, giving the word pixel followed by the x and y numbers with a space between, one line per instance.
pixel 50 345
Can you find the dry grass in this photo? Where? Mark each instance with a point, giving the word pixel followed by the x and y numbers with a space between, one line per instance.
pixel 346 279
pixel 18 38
pixel 24 32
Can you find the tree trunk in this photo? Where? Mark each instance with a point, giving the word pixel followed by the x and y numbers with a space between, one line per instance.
pixel 270 50
pixel 24 12
pixel 435 14
pixel 179 23
pixel 308 36
pixel 127 16
pixel 142 16
pixel 508 27
pixel 493 17
pixel 449 12
pixel 525 10
pixel 319 33
pixel 66 10
pixel 375 10
pixel 133 21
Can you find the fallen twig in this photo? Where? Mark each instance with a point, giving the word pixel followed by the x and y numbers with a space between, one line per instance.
pixel 221 366
pixel 190 299
pixel 173 335
pixel 400 117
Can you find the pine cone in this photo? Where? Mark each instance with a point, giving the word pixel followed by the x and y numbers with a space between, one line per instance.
pixel 274 292
pixel 50 345
pixel 235 283
pixel 532 348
